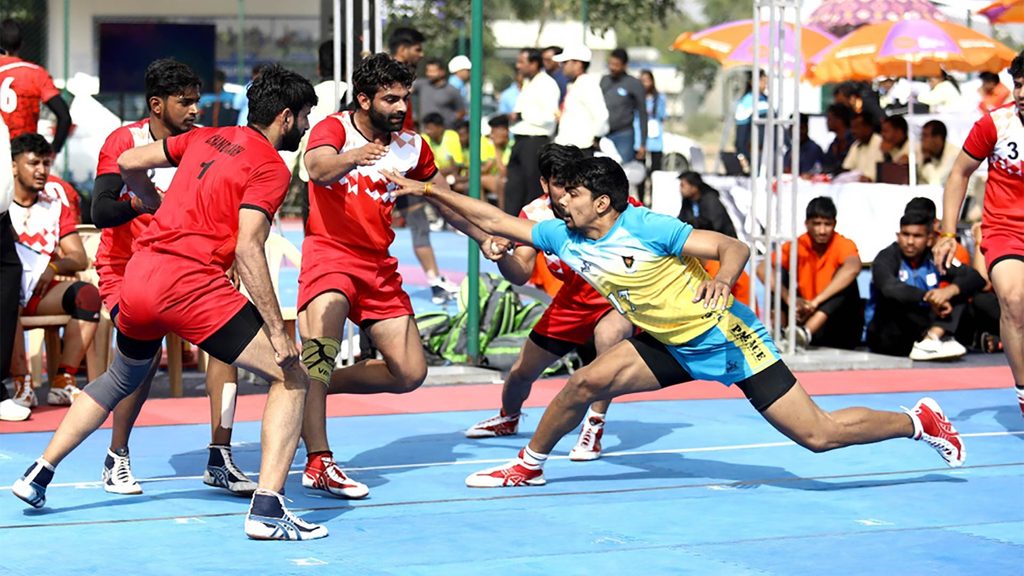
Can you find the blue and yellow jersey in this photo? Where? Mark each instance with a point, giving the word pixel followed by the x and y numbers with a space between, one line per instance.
pixel 639 267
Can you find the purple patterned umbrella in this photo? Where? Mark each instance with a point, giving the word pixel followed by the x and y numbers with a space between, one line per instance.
pixel 840 17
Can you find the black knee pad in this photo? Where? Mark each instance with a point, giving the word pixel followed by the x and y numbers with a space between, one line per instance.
pixel 82 302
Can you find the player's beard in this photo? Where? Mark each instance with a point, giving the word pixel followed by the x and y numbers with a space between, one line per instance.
pixel 291 139
pixel 386 122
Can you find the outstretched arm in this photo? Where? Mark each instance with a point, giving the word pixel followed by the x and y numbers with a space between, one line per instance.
pixel 490 219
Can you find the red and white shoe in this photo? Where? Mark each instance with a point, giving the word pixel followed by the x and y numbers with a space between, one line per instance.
pixel 588 446
pixel 513 473
pixel 323 474
pixel 500 425
pixel 1020 400
pixel 932 426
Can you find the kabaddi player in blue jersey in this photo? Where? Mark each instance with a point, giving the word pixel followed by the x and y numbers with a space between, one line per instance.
pixel 648 267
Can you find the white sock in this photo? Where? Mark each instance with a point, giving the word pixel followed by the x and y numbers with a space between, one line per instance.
pixel 917 424
pixel 591 413
pixel 533 459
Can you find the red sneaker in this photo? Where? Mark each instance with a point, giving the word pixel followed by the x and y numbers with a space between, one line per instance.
pixel 323 474
pixel 588 446
pixel 500 425
pixel 932 426
pixel 513 473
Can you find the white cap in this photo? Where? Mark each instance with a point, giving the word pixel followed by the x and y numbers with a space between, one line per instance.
pixel 581 53
pixel 460 62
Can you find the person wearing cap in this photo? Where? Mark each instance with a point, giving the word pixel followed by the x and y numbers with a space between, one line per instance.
pixel 584 116
pixel 459 68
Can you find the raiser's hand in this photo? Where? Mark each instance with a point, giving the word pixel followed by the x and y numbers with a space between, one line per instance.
pixel 713 292
pixel 495 248
pixel 405 186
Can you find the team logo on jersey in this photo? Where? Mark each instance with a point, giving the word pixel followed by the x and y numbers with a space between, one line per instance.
pixel 584 265
pixel 628 261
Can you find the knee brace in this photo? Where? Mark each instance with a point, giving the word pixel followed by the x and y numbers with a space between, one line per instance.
pixel 319 356
pixel 82 302
pixel 123 377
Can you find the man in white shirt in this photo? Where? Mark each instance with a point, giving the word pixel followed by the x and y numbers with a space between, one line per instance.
pixel 584 116
pixel 866 152
pixel 533 124
pixel 937 154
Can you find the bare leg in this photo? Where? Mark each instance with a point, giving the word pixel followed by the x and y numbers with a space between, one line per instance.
pixel 78 334
pixel 282 416
pixel 402 370
pixel 530 364
pixel 217 375
pixel 610 330
pixel 797 416
pixel 816 322
pixel 425 254
pixel 323 317
pixel 1008 283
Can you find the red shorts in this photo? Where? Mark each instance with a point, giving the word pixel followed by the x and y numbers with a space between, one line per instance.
pixel 163 293
pixel 371 283
pixel 111 278
pixel 573 313
pixel 999 242
pixel 33 303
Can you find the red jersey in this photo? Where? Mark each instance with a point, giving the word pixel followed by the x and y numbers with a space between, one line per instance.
pixel 23 87
pixel 356 210
pixel 116 243
pixel 38 229
pixel 57 187
pixel 220 170
pixel 999 137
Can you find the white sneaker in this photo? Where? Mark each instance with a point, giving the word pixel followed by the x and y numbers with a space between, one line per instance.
pixel 441 290
pixel 117 474
pixel 11 411
pixel 588 446
pixel 935 349
pixel 24 394
pixel 268 519
pixel 803 336
pixel 221 472
pixel 63 390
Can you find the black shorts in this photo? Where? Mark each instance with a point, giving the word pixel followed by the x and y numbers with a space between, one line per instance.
pixel 587 352
pixel 761 389
pixel 226 344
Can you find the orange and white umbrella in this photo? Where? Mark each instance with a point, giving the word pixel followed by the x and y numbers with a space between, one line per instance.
pixel 732 43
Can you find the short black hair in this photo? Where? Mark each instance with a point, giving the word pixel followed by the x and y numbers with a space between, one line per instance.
pixel 534 56
pixel 10 35
pixel 917 218
pixel 462 124
pixel 621 55
pixel 841 112
pixel 325 58
pixel 278 88
pixel 220 76
pixel 554 160
pixel 896 121
pixel 377 72
pixel 434 118
pixel 434 62
pixel 499 121
pixel 848 89
pixel 404 36
pixel 866 117
pixel 168 77
pixel 603 177
pixel 936 127
pixel 556 49
pixel 989 77
pixel 30 142
pixel 1016 69
pixel 921 204
pixel 821 207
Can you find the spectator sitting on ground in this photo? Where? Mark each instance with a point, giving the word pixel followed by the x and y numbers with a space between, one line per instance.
pixel 838 118
pixel 895 143
pixel 913 313
pixel 811 157
pixel 993 92
pixel 828 309
pixel 944 95
pixel 866 152
pixel 984 308
pixel 495 151
pixel 926 205
pixel 702 201
pixel 937 154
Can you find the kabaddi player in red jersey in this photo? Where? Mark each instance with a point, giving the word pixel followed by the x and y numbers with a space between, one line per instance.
pixel 999 138
pixel 172 94
pixel 229 183
pixel 577 318
pixel 23 86
pixel 347 270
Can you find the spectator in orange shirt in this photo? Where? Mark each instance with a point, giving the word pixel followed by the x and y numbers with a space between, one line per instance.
pixel 993 92
pixel 829 311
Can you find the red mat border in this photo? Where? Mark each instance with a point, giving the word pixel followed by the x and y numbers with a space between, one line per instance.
pixel 176 411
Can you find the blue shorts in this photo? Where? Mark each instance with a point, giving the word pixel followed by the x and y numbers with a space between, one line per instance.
pixel 737 350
